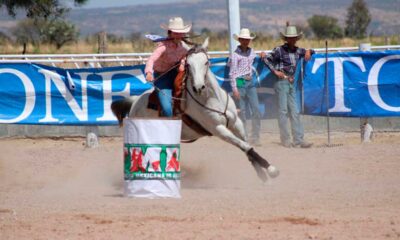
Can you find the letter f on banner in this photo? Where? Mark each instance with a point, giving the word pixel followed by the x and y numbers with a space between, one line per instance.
pixel 338 62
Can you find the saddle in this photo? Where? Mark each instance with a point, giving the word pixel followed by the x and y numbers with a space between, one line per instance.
pixel 177 93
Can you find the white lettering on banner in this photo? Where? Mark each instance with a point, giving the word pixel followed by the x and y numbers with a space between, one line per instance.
pixel 338 78
pixel 30 100
pixel 80 113
pixel 108 94
pixel 373 83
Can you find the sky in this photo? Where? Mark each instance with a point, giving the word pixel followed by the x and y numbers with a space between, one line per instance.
pixel 121 3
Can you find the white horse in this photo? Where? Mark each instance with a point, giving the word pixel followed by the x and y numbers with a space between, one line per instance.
pixel 206 109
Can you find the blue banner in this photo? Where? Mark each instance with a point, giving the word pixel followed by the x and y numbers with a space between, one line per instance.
pixel 38 94
pixel 361 84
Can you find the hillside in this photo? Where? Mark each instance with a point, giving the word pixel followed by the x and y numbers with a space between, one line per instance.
pixel 260 15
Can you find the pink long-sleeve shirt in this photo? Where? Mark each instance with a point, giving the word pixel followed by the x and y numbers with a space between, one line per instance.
pixel 166 55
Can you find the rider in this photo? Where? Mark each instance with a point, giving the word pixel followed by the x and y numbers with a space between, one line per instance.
pixel 167 59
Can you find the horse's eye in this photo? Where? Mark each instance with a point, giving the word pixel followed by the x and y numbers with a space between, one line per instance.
pixel 207 63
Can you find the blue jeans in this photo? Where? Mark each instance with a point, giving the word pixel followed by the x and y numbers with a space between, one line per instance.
pixel 287 108
pixel 248 94
pixel 165 86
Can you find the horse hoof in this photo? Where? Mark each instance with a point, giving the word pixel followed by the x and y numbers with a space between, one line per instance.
pixel 260 172
pixel 273 171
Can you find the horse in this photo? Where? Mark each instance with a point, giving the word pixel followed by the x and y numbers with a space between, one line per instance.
pixel 206 109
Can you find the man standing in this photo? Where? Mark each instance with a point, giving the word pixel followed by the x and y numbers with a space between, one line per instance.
pixel 242 82
pixel 282 62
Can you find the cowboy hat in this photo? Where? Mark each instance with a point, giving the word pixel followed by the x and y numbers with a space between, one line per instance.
pixel 176 24
pixel 291 32
pixel 245 34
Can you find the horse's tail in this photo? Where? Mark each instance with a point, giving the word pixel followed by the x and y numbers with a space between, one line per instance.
pixel 121 108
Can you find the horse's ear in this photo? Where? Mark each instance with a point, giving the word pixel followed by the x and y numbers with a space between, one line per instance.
pixel 205 43
pixel 185 46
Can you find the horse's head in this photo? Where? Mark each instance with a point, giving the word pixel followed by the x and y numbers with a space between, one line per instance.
pixel 197 64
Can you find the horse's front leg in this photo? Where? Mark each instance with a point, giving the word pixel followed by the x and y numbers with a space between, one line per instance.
pixel 228 136
pixel 238 129
pixel 256 160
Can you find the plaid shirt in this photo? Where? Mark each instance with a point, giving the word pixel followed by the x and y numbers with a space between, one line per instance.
pixel 285 60
pixel 241 64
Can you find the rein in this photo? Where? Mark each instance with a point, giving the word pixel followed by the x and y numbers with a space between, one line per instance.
pixel 155 79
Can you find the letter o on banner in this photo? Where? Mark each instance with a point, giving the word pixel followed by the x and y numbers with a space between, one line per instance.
pixel 30 99
pixel 152 158
pixel 373 83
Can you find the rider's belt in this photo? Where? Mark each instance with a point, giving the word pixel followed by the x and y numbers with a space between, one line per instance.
pixel 241 81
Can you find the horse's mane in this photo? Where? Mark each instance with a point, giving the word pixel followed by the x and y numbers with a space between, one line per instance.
pixel 197 48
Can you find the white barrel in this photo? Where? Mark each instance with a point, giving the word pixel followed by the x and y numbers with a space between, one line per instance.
pixel 152 158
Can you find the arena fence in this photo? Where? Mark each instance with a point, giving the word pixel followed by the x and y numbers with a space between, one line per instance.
pixel 124 59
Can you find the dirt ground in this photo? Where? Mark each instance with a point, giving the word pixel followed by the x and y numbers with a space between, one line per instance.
pixel 59 189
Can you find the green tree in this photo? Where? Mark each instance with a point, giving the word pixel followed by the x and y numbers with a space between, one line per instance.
pixel 27 32
pixel 358 19
pixel 45 22
pixel 205 31
pixel 325 27
pixel 38 8
pixel 59 32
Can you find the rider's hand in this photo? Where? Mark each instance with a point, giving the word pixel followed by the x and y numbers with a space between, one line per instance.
pixel 236 94
pixel 149 77
pixel 182 65
pixel 279 74
pixel 181 68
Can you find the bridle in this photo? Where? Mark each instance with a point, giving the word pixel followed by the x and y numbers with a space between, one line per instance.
pixel 194 50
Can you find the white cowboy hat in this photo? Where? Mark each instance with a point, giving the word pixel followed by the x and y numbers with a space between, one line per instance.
pixel 290 32
pixel 245 34
pixel 176 24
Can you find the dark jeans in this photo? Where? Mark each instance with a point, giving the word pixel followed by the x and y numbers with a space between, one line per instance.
pixel 165 85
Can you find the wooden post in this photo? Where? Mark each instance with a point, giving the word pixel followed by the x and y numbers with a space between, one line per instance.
pixel 387 40
pixel 92 132
pixel 102 42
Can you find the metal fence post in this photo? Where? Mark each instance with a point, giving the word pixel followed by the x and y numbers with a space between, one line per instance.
pixel 365 121
pixel 233 22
